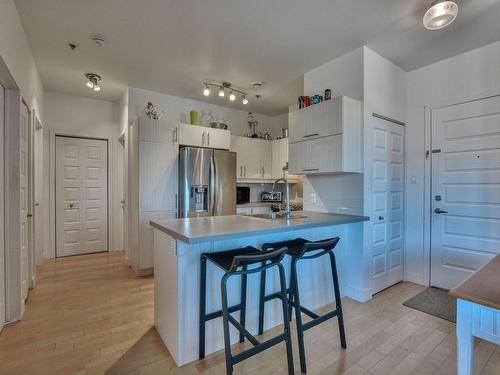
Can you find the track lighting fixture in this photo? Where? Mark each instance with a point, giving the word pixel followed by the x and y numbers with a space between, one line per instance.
pixel 224 87
pixel 93 81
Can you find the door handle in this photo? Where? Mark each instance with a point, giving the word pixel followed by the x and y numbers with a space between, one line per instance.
pixel 29 215
pixel 440 211
pixel 71 205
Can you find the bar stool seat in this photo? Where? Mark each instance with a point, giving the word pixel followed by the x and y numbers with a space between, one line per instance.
pixel 236 262
pixel 225 259
pixel 300 249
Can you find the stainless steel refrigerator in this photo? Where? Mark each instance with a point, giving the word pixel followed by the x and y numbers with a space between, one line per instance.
pixel 207 182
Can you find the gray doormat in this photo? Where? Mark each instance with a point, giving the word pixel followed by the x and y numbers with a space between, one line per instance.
pixel 436 302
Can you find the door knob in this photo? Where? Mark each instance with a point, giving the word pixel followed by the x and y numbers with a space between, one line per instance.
pixel 381 218
pixel 440 211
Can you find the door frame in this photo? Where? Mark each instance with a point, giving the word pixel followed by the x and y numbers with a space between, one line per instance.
pixel 53 190
pixel 428 168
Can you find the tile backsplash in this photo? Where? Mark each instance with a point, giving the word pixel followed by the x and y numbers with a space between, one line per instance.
pixel 341 194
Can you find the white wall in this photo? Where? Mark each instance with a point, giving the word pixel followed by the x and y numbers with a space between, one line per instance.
pixel 344 76
pixel 177 110
pixel 471 75
pixel 85 117
pixel 16 54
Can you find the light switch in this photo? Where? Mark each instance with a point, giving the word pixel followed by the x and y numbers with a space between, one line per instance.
pixel 313 197
pixel 413 179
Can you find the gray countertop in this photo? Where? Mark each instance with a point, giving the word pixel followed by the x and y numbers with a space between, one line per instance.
pixel 201 229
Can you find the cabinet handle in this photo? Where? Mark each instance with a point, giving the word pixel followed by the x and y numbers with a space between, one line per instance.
pixel 203 139
pixel 175 136
pixel 262 171
pixel 208 138
pixel 245 170
pixel 310 135
pixel 241 171
pixel 310 169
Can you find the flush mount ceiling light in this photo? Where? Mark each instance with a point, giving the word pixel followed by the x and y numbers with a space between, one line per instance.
pixel 440 14
pixel 93 81
pixel 224 87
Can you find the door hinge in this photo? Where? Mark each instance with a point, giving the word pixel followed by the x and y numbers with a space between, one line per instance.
pixel 436 151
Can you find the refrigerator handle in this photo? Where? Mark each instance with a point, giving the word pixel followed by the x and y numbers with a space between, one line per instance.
pixel 213 188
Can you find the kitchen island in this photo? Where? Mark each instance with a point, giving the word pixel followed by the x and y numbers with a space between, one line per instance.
pixel 178 244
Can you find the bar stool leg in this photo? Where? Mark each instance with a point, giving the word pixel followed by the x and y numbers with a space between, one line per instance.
pixel 262 301
pixel 298 317
pixel 225 323
pixel 338 302
pixel 243 311
pixel 286 320
pixel 203 300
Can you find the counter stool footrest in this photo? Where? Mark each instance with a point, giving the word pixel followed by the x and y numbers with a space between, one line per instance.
pixel 308 312
pixel 218 313
pixel 242 329
pixel 259 348
pixel 320 319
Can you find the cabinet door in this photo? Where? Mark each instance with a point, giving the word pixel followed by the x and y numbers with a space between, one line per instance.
pixel 297 124
pixel 279 157
pixel 252 166
pixel 266 159
pixel 218 138
pixel 322 155
pixel 238 146
pixel 192 135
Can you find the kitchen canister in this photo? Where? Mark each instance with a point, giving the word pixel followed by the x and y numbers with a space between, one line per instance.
pixel 193 115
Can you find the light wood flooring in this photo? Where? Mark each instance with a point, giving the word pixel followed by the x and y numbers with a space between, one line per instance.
pixel 90 315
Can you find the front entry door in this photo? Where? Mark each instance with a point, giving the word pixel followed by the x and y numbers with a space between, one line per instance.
pixel 465 220
pixel 386 155
pixel 81 196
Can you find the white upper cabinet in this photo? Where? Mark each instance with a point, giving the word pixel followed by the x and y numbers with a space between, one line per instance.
pixel 253 158
pixel 326 137
pixel 201 136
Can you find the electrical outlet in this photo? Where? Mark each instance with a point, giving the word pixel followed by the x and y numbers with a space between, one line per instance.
pixel 313 198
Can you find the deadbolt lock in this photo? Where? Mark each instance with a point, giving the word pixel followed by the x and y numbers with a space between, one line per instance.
pixel 438 198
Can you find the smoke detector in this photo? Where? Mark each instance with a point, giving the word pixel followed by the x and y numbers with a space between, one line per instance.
pixel 98 40
pixel 257 84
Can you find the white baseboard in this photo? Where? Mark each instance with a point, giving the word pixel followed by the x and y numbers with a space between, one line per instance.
pixel 357 295
pixel 415 278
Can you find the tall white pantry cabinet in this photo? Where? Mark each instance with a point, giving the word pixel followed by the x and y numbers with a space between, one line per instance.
pixel 152 186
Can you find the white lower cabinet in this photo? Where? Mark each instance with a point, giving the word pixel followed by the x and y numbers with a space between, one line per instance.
pixel 253 210
pixel 201 136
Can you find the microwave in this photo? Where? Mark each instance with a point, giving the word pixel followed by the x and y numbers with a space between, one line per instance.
pixel 242 194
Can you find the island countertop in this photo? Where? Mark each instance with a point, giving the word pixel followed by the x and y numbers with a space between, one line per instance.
pixel 201 229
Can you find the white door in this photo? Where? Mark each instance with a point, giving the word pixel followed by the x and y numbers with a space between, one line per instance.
pixel 81 196
pixel 386 156
pixel 2 197
pixel 25 199
pixel 465 189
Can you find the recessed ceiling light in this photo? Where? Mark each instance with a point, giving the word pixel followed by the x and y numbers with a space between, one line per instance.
pixel 440 14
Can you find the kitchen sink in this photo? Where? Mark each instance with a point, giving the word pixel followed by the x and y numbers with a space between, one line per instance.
pixel 278 216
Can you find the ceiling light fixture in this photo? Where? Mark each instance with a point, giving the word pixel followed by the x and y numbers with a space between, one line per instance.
pixel 440 14
pixel 93 81
pixel 224 87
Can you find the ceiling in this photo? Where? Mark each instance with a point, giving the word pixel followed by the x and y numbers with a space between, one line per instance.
pixel 173 46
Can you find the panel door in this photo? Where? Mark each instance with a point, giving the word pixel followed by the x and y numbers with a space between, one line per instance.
pixel 386 211
pixel 25 199
pixel 465 189
pixel 81 196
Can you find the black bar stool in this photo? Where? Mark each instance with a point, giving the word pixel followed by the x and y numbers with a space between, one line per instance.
pixel 300 249
pixel 233 263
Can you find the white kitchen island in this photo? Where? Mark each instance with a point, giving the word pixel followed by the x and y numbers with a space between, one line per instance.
pixel 178 244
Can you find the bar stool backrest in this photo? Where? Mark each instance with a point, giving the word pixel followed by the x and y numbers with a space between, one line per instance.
pixel 325 245
pixel 271 258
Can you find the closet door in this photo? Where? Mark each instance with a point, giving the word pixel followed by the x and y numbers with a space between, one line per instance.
pixel 81 196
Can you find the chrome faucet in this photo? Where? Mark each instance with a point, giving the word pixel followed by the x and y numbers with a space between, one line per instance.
pixel 288 211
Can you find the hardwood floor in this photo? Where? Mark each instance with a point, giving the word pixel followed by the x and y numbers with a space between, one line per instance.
pixel 90 315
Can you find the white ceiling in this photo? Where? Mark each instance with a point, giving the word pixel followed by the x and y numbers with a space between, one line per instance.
pixel 172 46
